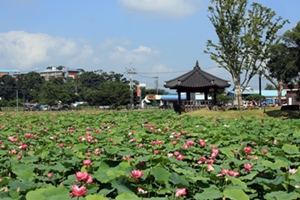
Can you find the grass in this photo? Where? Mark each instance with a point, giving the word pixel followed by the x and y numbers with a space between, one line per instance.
pixel 269 112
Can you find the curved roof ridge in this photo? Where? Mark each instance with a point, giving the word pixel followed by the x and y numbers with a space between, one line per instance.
pixel 197 78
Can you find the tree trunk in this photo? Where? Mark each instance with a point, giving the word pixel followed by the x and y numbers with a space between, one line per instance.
pixel 279 91
pixel 238 92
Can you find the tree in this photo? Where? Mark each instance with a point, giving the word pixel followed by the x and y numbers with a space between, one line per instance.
pixel 244 39
pixel 277 67
pixel 7 88
pixel 114 94
pixel 29 86
pixel 270 87
pixel 284 62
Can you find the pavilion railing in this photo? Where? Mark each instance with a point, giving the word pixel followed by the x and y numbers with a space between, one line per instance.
pixel 192 105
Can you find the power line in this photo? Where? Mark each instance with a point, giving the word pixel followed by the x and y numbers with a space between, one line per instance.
pixel 168 72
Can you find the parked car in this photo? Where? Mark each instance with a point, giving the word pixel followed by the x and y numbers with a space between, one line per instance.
pixel 65 107
pixel 46 108
pixel 26 108
pixel 35 108
pixel 55 108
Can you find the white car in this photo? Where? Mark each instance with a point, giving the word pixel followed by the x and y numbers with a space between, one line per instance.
pixel 46 108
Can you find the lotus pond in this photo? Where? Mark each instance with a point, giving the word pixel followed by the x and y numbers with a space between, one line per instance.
pixel 147 155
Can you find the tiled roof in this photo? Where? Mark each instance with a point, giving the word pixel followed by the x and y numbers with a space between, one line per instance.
pixel 196 78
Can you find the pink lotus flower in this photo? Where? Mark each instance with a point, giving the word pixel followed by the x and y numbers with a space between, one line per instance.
pixel 132 140
pixel 19 157
pixel 176 153
pixel 23 146
pixel 210 161
pixel 265 151
pixel 12 151
pixel 140 145
pixel 84 177
pixel 225 171
pixel 201 160
pixel 190 143
pixel 180 192
pixel 87 162
pixel 88 154
pixel 169 155
pixel 202 143
pixel 247 167
pixel 233 173
pixel 140 190
pixel 247 150
pixel 126 157
pixel 49 175
pixel 180 157
pixel 136 174
pixel 97 151
pixel 12 139
pixel 78 191
pixel 184 132
pixel 184 146
pixel 292 171
pixel 209 168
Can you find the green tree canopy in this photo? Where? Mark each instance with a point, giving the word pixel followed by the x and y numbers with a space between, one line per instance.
pixel 245 33
pixel 270 87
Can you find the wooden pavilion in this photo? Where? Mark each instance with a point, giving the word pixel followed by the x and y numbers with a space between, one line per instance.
pixel 194 81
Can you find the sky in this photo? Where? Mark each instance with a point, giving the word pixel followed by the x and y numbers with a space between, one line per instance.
pixel 157 39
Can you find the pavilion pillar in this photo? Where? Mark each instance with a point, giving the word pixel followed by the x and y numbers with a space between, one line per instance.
pixel 188 96
pixel 206 95
pixel 179 102
pixel 215 98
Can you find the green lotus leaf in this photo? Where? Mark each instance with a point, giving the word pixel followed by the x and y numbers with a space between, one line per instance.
pixel 235 194
pixel 278 195
pixel 160 174
pixel 178 180
pixel 209 193
pixel 290 149
pixel 96 197
pixel 127 196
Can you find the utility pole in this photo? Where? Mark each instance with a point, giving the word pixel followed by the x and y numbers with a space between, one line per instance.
pixel 156 84
pixel 131 71
pixel 259 81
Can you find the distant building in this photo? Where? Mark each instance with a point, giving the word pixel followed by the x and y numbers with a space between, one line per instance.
pixel 291 94
pixel 8 72
pixel 57 73
pixel 270 95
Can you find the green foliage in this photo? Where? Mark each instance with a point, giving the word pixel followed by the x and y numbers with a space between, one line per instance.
pixel 255 97
pixel 245 34
pixel 57 143
pixel 96 88
pixel 270 87
pixel 222 97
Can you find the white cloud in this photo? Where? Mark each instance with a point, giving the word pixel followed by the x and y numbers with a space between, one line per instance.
pixel 139 56
pixel 27 51
pixel 175 9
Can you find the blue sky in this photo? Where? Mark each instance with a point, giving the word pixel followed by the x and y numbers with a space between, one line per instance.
pixel 158 38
